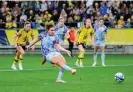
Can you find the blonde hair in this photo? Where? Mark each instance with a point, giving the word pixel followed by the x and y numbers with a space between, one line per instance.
pixel 27 22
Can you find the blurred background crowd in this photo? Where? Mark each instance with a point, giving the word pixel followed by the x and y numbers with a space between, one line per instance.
pixel 116 14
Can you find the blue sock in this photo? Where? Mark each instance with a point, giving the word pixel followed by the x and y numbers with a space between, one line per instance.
pixel 95 57
pixel 102 57
pixel 66 67
pixel 60 74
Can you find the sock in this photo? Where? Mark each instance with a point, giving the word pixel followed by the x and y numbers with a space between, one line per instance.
pixel 77 60
pixel 102 57
pixel 60 74
pixel 15 60
pixel 20 58
pixel 81 56
pixel 81 60
pixel 66 67
pixel 95 57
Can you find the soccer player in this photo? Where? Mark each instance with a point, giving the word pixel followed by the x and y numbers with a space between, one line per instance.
pixel 99 41
pixel 84 36
pixel 20 40
pixel 50 49
pixel 61 32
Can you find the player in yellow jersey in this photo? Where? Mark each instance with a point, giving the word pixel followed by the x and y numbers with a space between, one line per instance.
pixel 20 40
pixel 84 36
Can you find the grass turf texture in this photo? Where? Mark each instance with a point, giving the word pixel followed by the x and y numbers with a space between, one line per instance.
pixel 41 78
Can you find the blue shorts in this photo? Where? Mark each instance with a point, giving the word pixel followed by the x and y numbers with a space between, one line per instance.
pixel 99 43
pixel 51 55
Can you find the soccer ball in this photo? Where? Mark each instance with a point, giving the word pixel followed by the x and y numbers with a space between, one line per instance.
pixel 119 77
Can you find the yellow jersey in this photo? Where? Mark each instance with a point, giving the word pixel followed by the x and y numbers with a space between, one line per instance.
pixel 84 35
pixel 24 36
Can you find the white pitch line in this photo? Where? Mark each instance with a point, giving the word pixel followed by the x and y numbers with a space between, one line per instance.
pixel 9 70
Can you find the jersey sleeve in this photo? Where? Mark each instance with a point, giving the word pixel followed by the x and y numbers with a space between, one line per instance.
pixel 32 34
pixel 56 41
pixel 20 32
pixel 65 29
pixel 92 31
pixel 40 36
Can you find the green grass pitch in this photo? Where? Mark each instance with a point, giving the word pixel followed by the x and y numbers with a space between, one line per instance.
pixel 41 78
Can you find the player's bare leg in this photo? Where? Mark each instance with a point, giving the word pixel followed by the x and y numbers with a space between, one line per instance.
pixel 60 61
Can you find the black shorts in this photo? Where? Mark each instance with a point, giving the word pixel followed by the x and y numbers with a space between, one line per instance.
pixel 23 47
pixel 81 44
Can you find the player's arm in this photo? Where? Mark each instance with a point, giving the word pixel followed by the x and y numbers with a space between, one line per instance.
pixel 75 38
pixel 106 33
pixel 15 38
pixel 80 36
pixel 92 37
pixel 59 47
pixel 32 36
pixel 33 43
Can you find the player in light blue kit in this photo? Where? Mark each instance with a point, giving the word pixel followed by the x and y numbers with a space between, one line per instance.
pixel 50 49
pixel 61 32
pixel 99 41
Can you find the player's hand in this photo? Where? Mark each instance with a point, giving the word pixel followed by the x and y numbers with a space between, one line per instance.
pixel 68 52
pixel 32 48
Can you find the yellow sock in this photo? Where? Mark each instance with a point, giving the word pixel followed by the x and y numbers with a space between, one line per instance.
pixel 77 60
pixel 15 60
pixel 20 58
pixel 81 61
pixel 81 56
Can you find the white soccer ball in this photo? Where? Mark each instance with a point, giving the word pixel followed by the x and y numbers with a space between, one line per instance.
pixel 119 77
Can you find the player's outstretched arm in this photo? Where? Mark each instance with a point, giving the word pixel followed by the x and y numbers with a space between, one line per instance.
pixel 92 38
pixel 33 43
pixel 32 36
pixel 59 47
pixel 14 39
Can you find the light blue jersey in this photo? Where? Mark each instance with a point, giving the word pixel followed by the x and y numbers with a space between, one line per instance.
pixel 60 33
pixel 47 45
pixel 99 38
